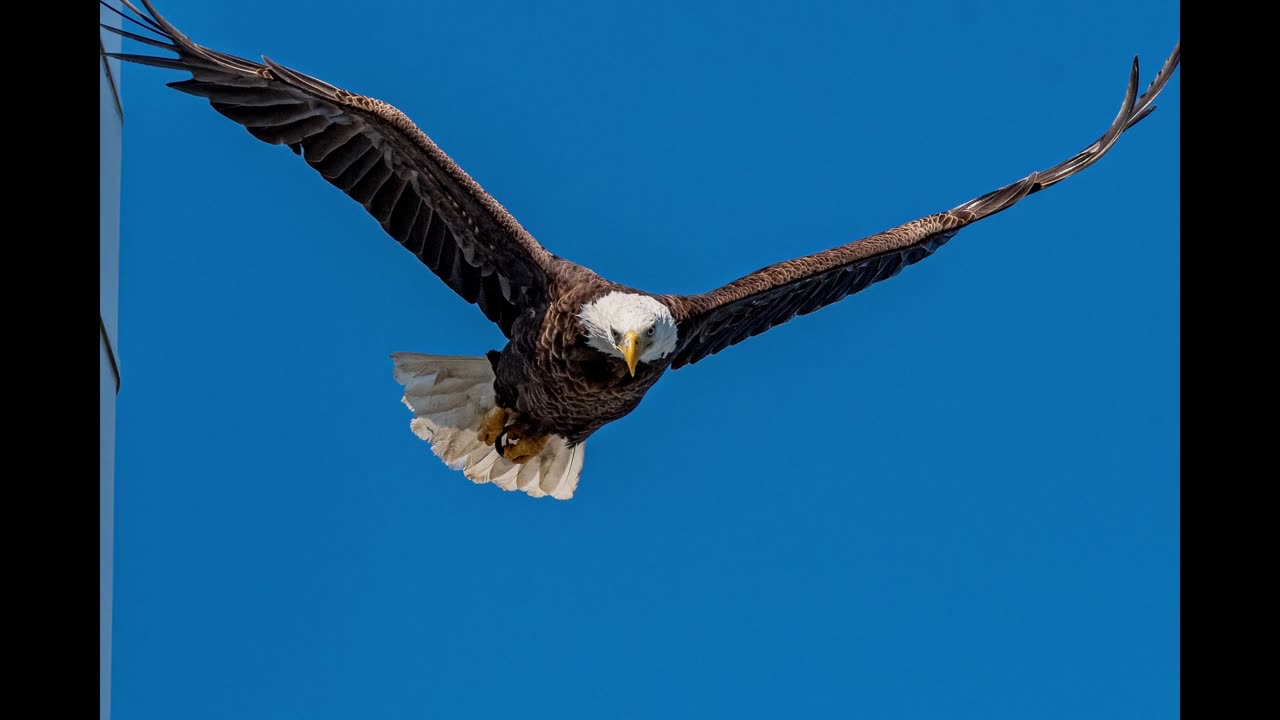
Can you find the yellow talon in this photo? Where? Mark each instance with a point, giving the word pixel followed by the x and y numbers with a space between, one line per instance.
pixel 525 449
pixel 492 424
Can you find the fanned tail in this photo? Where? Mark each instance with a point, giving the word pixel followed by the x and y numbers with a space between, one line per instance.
pixel 449 396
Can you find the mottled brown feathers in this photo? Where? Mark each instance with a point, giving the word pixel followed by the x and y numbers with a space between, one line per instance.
pixel 555 380
pixel 713 321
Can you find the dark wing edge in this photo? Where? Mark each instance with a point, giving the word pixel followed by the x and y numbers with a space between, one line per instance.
pixel 772 295
pixel 374 154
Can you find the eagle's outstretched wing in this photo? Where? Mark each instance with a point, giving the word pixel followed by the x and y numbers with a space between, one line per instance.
pixel 377 156
pixel 748 306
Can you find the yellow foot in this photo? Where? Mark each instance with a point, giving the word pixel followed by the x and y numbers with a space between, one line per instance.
pixel 525 449
pixel 492 424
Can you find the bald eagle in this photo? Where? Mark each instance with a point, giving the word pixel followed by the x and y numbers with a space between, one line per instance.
pixel 582 351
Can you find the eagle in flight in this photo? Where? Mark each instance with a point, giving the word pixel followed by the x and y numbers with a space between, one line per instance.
pixel 582 350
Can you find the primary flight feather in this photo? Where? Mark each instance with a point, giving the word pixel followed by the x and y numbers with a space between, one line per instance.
pixel 582 351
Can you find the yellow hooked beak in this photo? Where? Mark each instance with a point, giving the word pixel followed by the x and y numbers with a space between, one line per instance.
pixel 629 350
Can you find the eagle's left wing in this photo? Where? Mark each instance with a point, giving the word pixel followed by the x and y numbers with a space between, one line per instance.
pixel 748 306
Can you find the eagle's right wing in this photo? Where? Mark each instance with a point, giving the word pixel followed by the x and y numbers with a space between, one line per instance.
pixel 378 157
pixel 768 297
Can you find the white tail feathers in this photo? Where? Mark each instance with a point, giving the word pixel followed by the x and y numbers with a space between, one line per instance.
pixel 449 396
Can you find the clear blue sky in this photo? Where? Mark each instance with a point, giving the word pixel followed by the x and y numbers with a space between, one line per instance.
pixel 954 495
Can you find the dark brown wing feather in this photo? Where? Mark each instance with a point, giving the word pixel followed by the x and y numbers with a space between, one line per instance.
pixel 713 321
pixel 377 156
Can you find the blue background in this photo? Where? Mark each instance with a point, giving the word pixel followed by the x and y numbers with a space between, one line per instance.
pixel 952 495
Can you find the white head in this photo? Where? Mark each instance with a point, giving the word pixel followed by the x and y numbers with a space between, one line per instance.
pixel 636 328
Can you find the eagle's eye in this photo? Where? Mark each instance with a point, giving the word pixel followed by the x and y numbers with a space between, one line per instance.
pixel 649 332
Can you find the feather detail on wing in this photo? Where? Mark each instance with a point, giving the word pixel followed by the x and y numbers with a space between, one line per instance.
pixel 713 321
pixel 377 156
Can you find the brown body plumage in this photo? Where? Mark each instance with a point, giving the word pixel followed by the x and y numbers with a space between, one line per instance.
pixel 557 383
pixel 548 375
